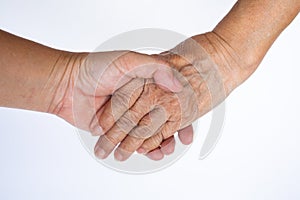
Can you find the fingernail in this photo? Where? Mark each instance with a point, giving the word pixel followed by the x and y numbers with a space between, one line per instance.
pixel 177 84
pixel 141 150
pixel 99 130
pixel 118 156
pixel 100 153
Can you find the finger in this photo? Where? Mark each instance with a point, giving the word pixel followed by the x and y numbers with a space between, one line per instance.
pixel 153 142
pixel 147 126
pixel 94 126
pixel 118 132
pixel 106 143
pixel 150 123
pixel 119 103
pixel 168 146
pixel 127 147
pixel 121 128
pixel 156 154
pixel 186 135
pixel 144 66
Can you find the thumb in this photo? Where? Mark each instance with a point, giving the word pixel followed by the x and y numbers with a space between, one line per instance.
pixel 129 65
pixel 145 66
pixel 166 79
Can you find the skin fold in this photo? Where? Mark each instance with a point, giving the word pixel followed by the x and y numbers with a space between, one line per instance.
pixel 227 56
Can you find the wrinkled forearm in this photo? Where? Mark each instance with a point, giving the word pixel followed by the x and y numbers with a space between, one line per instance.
pixel 32 75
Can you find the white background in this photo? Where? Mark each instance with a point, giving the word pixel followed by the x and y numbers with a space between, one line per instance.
pixel 256 158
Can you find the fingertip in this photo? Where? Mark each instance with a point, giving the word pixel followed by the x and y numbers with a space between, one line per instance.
pixel 105 145
pixel 118 156
pixel 168 146
pixel 121 154
pixel 100 153
pixel 97 131
pixel 155 155
pixel 141 150
pixel 186 135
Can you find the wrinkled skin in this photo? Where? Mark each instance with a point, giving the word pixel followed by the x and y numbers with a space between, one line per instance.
pixel 140 115
pixel 92 78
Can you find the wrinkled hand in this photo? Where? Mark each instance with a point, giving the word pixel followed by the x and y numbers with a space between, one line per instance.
pixel 140 115
pixel 151 110
pixel 90 79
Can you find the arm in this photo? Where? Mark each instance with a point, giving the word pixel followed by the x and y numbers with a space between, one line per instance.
pixel 246 33
pixel 74 86
pixel 30 73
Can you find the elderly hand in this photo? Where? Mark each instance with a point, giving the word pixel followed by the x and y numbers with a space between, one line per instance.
pixel 141 115
pixel 90 79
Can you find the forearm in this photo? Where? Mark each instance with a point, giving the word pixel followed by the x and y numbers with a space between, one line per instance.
pixel 215 63
pixel 241 40
pixel 30 73
pixel 252 26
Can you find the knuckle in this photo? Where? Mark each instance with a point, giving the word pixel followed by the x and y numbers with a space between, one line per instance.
pixel 166 132
pixel 142 132
pixel 126 123
pixel 120 97
pixel 170 129
pixel 105 122
pixel 155 141
pixel 128 145
pixel 110 138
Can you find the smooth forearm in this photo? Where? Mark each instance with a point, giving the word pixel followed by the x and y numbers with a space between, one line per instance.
pixel 30 73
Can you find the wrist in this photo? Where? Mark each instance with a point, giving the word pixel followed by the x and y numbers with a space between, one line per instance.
pixel 233 66
pixel 60 82
pixel 211 56
pixel 210 66
pixel 35 77
pixel 48 86
pixel 246 57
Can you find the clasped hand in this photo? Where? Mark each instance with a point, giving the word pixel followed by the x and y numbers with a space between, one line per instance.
pixel 137 102
pixel 141 116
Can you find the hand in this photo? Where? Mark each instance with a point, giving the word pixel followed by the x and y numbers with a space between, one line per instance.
pixel 156 115
pixel 92 78
pixel 144 99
